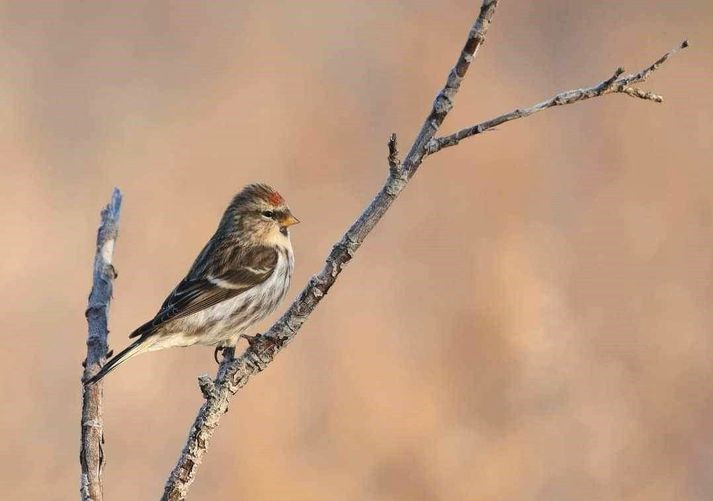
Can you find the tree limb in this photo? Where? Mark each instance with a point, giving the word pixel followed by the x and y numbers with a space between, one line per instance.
pixel 612 85
pixel 91 454
pixel 234 374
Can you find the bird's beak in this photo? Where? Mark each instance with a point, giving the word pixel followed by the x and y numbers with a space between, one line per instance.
pixel 288 220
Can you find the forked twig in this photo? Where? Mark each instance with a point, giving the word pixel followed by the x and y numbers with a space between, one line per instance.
pixel 234 374
pixel 611 85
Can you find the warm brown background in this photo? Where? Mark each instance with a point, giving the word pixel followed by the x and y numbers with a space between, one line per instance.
pixel 531 321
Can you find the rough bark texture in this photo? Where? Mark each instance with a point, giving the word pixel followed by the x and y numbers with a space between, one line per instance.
pixel 91 454
pixel 233 374
pixel 612 85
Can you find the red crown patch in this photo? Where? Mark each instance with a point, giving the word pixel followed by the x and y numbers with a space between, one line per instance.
pixel 275 198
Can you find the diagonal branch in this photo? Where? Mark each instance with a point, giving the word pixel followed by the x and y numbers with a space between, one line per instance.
pixel 91 454
pixel 234 374
pixel 612 85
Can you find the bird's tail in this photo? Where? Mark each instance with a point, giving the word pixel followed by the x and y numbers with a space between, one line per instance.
pixel 134 348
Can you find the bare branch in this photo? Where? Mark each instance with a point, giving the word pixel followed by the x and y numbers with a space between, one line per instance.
pixel 611 85
pixel 91 454
pixel 234 374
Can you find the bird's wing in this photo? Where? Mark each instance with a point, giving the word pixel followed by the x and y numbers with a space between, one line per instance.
pixel 208 284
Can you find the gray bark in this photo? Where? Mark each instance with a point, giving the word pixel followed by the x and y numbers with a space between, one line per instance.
pixel 234 373
pixel 91 454
pixel 614 84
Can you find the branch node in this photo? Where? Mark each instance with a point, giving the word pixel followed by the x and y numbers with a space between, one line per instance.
pixel 609 82
pixel 432 146
pixel 616 83
pixel 394 162
pixel 207 386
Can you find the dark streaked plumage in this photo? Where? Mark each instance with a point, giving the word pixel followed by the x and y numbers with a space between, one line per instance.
pixel 238 278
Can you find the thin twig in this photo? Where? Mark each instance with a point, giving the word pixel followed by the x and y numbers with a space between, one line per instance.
pixel 234 374
pixel 611 85
pixel 91 454
pixel 393 158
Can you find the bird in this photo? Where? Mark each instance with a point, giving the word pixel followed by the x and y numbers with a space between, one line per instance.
pixel 239 278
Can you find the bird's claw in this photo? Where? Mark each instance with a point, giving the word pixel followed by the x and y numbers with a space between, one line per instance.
pixel 227 352
pixel 251 339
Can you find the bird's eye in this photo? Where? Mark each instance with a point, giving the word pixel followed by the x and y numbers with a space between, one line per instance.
pixel 268 213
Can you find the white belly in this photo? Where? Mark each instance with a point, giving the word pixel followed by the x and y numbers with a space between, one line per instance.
pixel 223 323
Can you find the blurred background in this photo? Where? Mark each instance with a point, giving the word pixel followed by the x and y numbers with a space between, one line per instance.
pixel 531 321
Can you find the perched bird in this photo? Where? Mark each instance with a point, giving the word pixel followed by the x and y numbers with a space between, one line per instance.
pixel 240 276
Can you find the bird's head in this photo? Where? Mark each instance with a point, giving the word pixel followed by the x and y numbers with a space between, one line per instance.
pixel 260 215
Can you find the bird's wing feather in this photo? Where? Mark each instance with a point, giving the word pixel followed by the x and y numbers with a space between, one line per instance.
pixel 210 283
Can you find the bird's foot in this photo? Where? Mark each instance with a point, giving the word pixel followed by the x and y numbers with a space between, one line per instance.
pixel 226 352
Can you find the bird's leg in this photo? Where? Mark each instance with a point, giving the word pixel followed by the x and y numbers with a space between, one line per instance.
pixel 227 352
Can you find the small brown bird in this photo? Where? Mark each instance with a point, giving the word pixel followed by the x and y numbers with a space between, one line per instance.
pixel 239 278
